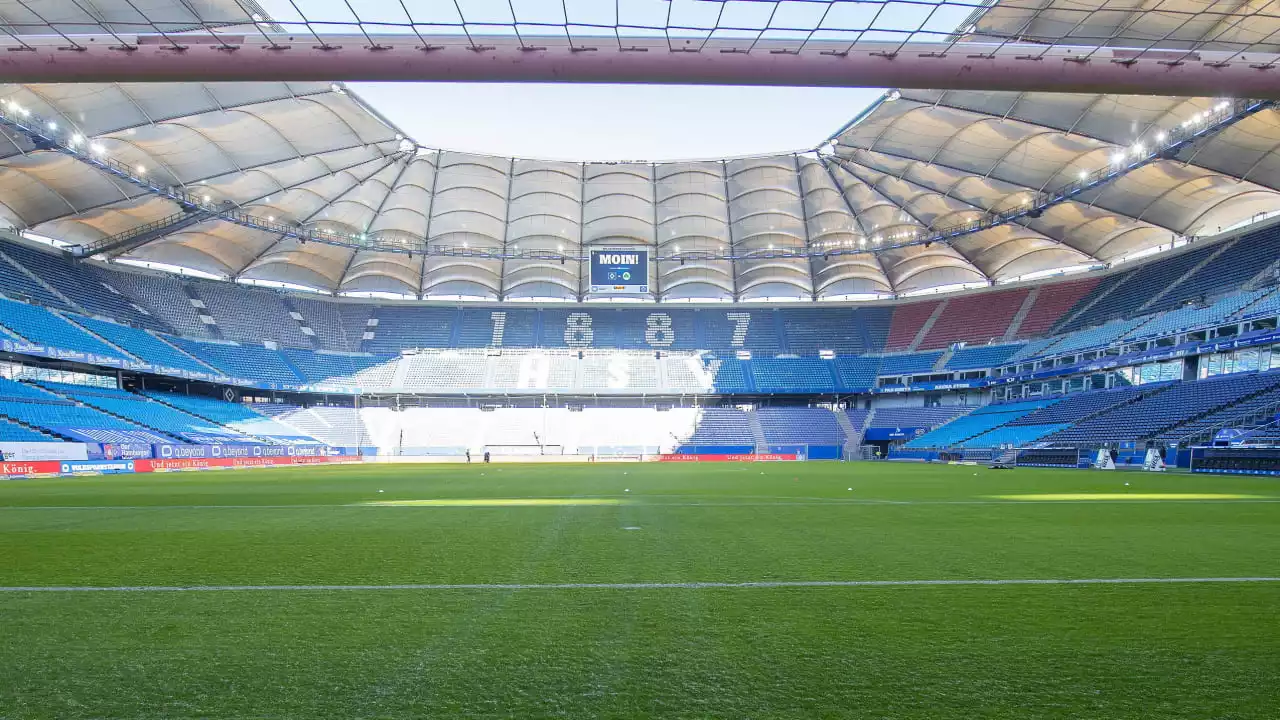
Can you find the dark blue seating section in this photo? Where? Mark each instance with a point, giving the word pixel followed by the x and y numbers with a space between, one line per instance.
pixel 17 285
pixel 722 426
pixel 794 375
pixel 1238 264
pixel 1077 407
pixel 916 417
pixel 801 426
pixel 857 373
pixel 912 363
pixel 85 289
pixel 1166 406
pixel 983 356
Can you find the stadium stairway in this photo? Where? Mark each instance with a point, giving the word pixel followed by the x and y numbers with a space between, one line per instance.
pixel 928 324
pixel 852 436
pixel 757 432
pixel 941 363
pixel 1011 333
pixel 1166 290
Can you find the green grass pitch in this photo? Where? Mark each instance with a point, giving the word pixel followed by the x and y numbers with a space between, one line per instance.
pixel 937 651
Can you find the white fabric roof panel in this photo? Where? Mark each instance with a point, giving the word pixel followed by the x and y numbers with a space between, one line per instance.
pixel 313 154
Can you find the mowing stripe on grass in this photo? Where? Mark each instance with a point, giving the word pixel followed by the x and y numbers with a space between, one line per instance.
pixel 1111 497
pixel 761 585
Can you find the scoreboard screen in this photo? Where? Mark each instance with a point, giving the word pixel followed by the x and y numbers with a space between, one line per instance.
pixel 620 271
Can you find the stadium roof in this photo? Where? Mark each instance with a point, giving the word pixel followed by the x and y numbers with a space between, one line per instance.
pixel 848 219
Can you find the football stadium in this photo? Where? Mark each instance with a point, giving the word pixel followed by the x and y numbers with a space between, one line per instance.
pixel 969 408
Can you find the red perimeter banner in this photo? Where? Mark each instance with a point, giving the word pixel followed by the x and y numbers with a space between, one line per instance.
pixel 768 457
pixel 143 466
pixel 36 467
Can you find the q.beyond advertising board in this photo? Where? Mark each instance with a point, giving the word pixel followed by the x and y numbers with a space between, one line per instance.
pixel 620 271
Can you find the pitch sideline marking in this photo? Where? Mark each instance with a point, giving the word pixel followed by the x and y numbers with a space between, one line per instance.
pixel 765 585
pixel 1116 498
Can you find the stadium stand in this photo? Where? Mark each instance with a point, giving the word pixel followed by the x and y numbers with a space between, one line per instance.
pixel 81 286
pixel 43 411
pixel 1080 406
pixel 1051 303
pixel 165 297
pixel 857 374
pixel 1245 259
pixel 976 318
pixel 142 345
pixel 800 426
pixel 980 421
pixel 1165 407
pixel 401 327
pixel 335 426
pixel 147 413
pixel 251 316
pixel 325 368
pixel 243 361
pixel 17 285
pixel 722 426
pixel 917 417
pixel 909 364
pixel 984 356
pixel 235 416
pixel 793 375
pixel 44 327
pixel 906 324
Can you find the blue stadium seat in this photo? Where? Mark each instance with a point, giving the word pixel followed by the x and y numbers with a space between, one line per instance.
pixel 43 327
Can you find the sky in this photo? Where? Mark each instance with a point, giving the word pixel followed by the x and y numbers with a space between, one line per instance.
pixel 615 122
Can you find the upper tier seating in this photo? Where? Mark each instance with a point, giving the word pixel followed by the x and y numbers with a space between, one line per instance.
pixel 337 326
pixel 165 297
pixel 1164 407
pixel 498 327
pixel 1051 303
pixel 807 426
pixel 1141 285
pixel 251 316
pixel 16 285
pixel 977 318
pixel 82 286
pixel 236 416
pixel 1188 318
pixel 843 330
pixel 1238 264
pixel 142 345
pixel 907 321
pixel 1094 337
pixel 406 326
pixel 45 328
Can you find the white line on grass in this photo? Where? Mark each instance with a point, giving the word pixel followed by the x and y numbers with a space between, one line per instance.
pixel 640 501
pixel 766 584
